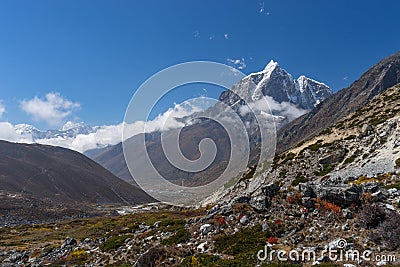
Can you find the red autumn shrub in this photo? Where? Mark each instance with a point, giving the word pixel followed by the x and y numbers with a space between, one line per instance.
pixel 272 240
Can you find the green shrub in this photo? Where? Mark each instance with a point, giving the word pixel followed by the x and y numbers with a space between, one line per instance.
pixel 204 260
pixel 317 145
pixel 200 260
pixel 171 223
pixel 326 168
pixel 327 131
pixel 397 163
pixel 300 178
pixel 350 159
pixel 113 243
pixel 241 242
pixel 395 185
pixel 288 157
pixel 328 265
pixel 180 236
pixel 301 143
pixel 350 137
pixel 250 174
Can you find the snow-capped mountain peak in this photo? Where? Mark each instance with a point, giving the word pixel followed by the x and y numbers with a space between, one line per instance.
pixel 69 130
pixel 312 90
pixel 69 125
pixel 275 82
pixel 24 129
pixel 76 128
pixel 271 66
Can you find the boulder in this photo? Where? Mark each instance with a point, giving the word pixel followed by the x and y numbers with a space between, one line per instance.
pixel 366 130
pixel 341 194
pixel 244 220
pixel 335 157
pixel 262 200
pixel 206 228
pixel 69 243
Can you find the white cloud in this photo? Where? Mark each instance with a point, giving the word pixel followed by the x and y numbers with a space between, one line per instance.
pixel 226 36
pixel 263 10
pixel 237 63
pixel 196 34
pixel 53 109
pixel 269 105
pixel 106 135
pixel 2 108
pixel 167 120
pixel 8 133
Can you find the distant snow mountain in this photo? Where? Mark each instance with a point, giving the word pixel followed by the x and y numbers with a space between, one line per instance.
pixel 67 131
pixel 275 82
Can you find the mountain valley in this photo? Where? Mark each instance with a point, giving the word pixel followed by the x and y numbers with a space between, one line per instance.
pixel 335 180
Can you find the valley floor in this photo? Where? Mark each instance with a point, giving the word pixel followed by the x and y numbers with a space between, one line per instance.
pixel 226 235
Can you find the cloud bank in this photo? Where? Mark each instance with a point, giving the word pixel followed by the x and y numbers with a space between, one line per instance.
pixel 102 136
pixel 53 109
pixel 269 105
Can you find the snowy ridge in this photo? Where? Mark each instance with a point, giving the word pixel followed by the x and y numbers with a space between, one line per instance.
pixel 68 130
pixel 276 82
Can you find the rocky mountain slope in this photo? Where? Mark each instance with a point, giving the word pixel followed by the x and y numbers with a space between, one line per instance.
pixel 383 75
pixel 32 175
pixel 363 145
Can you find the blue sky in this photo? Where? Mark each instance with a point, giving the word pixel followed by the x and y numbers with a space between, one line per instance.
pixel 96 53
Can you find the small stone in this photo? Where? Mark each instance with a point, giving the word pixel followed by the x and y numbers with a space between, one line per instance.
pixel 381 263
pixel 206 228
pixel 87 241
pixel 390 207
pixel 348 214
pixel 265 227
pixel 202 247
pixel 244 220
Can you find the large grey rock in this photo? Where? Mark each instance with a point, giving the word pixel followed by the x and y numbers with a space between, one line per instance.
pixel 262 200
pixel 340 194
pixel 69 243
pixel 366 130
pixel 335 157
pixel 206 228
